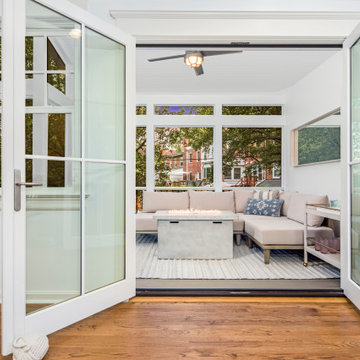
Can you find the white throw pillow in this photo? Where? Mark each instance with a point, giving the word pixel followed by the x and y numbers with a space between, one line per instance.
pixel 241 198
pixel 266 194
pixel 286 196
pixel 296 210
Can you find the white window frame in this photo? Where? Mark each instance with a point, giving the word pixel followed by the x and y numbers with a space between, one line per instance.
pixel 217 122
pixel 274 169
pixel 233 171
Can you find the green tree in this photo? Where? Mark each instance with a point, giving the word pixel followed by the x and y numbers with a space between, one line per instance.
pixel 316 144
pixel 251 110
pixel 140 156
pixel 255 146
pixel 140 110
pixel 175 139
pixel 184 110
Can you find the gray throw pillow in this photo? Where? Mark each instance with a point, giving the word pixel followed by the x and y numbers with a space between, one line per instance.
pixel 264 207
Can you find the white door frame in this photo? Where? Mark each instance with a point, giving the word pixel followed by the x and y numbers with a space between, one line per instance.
pixel 14 320
pixel 351 289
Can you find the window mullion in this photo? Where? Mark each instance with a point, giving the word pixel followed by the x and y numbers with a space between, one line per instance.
pixel 150 157
pixel 217 156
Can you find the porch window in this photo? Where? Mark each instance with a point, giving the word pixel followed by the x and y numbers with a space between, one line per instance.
pixel 182 143
pixel 140 165
pixel 246 150
pixel 140 109
pixel 317 141
pixel 183 110
pixel 237 173
pixel 251 110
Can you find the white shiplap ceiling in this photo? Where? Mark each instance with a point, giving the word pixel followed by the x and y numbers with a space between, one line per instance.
pixel 253 71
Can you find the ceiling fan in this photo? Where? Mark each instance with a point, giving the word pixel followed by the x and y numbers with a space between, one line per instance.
pixel 195 59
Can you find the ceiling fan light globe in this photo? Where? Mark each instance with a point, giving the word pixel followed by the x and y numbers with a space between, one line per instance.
pixel 194 60
pixel 75 33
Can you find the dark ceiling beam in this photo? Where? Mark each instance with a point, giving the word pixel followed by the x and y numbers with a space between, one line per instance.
pixel 241 46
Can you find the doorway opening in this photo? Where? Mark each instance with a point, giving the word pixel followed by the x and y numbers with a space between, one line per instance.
pixel 212 141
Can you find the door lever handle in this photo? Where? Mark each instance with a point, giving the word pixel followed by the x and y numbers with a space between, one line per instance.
pixel 28 184
pixel 17 188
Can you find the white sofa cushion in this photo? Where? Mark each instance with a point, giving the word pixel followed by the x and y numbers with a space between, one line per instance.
pixel 296 210
pixel 154 201
pixel 286 196
pixel 145 222
pixel 208 200
pixel 281 231
pixel 239 223
pixel 241 198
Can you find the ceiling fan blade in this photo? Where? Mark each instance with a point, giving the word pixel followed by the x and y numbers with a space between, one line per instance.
pixel 199 70
pixel 216 52
pixel 166 58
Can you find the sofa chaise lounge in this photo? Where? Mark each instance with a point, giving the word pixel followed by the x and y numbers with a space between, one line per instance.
pixel 284 232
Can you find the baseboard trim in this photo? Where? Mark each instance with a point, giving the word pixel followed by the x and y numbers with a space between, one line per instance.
pixel 244 292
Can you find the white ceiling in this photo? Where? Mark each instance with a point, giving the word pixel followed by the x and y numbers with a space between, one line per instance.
pixel 252 71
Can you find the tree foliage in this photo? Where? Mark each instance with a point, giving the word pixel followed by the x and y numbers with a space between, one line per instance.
pixel 316 144
pixel 141 156
pixel 141 110
pixel 251 110
pixel 251 147
pixel 184 110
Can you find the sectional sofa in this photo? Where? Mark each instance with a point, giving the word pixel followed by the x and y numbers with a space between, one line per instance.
pixel 284 232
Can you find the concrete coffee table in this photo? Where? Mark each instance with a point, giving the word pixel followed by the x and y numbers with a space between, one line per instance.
pixel 195 234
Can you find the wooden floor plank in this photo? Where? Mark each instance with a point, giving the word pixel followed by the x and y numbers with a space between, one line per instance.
pixel 215 328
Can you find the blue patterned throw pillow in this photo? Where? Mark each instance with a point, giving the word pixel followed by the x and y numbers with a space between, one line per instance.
pixel 263 207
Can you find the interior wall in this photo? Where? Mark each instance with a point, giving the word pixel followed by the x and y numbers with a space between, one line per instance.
pixel 316 94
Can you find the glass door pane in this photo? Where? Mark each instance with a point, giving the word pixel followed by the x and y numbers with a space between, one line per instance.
pixel 355 224
pixel 52 130
pixel 104 141
pixel 355 100
pixel 53 223
pixel 105 224
pixel 104 98
pixel 355 168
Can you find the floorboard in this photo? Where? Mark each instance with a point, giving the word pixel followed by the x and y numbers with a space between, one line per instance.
pixel 215 328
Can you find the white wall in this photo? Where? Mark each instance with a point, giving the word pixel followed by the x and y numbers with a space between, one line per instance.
pixel 316 94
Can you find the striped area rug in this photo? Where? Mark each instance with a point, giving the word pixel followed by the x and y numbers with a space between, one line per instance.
pixel 246 264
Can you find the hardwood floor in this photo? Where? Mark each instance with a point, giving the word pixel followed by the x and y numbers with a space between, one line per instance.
pixel 215 328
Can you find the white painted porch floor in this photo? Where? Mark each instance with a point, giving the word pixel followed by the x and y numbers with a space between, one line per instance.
pixel 246 264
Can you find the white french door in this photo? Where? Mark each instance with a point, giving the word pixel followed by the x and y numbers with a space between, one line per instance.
pixel 68 166
pixel 350 226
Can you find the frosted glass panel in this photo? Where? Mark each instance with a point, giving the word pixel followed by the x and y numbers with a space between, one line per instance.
pixel 105 97
pixel 53 221
pixel 105 224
